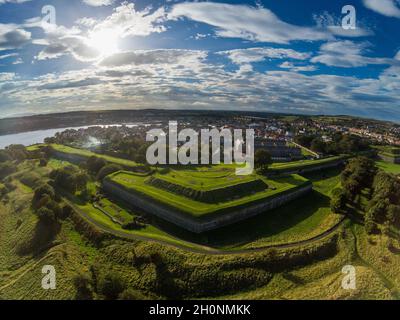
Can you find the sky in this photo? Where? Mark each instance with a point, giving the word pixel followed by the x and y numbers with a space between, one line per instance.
pixel 286 56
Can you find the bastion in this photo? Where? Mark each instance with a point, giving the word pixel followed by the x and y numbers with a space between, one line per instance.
pixel 189 203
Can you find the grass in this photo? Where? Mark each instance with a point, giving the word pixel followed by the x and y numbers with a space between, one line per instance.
pixel 137 184
pixel 302 164
pixel 388 167
pixel 87 154
pixel 211 179
pixel 296 221
pixel 224 277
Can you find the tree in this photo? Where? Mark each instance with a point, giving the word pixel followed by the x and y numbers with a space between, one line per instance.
pixel 111 286
pixel 393 215
pixel 46 215
pixel 304 140
pixel 338 201
pixel 318 145
pixel 131 294
pixel 44 191
pixel 6 169
pixel 4 156
pixel 81 180
pixel 358 175
pixel 371 227
pixel 83 286
pixel 262 158
pixel 95 164
pixel 108 169
pixel 17 152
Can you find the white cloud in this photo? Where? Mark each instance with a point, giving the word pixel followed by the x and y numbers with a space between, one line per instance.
pixel 99 3
pixel 387 8
pixel 86 44
pixel 333 24
pixel 159 57
pixel 297 68
pixel 13 1
pixel 5 56
pixel 18 61
pixel 13 37
pixel 126 21
pixel 245 22
pixel 86 22
pixel 243 56
pixel 347 54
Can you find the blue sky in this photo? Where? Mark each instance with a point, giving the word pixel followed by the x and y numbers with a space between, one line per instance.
pixel 289 56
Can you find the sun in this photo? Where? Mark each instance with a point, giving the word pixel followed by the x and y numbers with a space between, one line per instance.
pixel 104 41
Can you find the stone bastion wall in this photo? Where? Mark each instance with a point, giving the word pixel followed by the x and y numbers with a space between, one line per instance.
pixel 199 225
pixel 310 168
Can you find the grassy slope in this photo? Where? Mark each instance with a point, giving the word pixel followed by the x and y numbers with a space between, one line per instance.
pixel 205 180
pixel 296 221
pixel 389 167
pixel 20 275
pixel 302 163
pixel 88 154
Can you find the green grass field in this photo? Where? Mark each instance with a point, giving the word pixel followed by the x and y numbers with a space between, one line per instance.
pixel 136 183
pixel 87 154
pixel 302 164
pixel 205 180
pixel 388 167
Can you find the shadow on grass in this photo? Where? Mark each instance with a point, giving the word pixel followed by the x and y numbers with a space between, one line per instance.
pixel 266 224
pixel 42 239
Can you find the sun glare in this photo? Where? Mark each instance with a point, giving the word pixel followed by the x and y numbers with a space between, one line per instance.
pixel 104 41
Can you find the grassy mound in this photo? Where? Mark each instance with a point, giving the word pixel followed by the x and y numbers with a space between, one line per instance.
pixel 139 185
pixel 83 154
pixel 210 196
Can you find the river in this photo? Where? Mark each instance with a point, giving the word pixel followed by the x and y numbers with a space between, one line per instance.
pixel 33 137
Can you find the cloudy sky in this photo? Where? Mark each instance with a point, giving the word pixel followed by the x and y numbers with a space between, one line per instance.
pixel 289 56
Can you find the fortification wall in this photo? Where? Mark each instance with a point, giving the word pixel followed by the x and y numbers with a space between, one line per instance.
pixel 199 225
pixel 64 156
pixel 306 169
pixel 77 159
pixel 395 159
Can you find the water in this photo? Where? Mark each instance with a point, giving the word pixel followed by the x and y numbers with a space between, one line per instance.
pixel 33 137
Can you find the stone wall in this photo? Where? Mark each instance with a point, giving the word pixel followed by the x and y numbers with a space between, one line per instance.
pixel 310 168
pixel 199 225
pixel 64 156
pixel 395 159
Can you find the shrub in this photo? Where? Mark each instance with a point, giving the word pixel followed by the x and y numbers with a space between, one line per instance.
pixel 83 286
pixel 111 286
pixel 46 215
pixel 338 201
pixel 131 294
pixel 133 225
pixel 41 192
pixel 95 164
pixel 108 169
pixel 6 169
pixel 262 158
pixel 371 227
